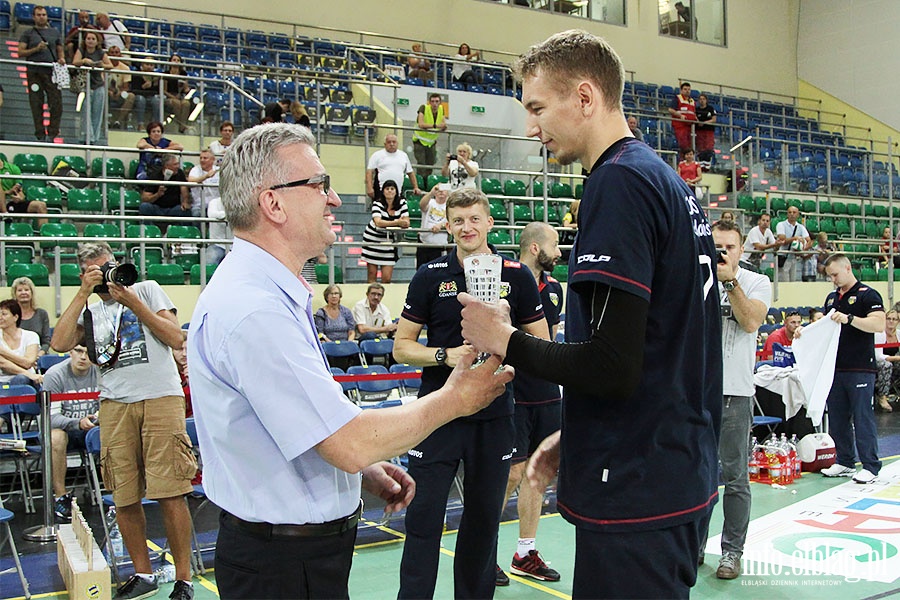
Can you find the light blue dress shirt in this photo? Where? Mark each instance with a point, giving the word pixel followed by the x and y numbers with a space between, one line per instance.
pixel 263 396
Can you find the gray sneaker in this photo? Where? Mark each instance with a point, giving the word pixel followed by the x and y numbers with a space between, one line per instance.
pixel 729 566
pixel 136 588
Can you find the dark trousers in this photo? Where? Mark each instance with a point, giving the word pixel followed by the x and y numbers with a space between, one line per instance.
pixel 640 564
pixel 485 447
pixel 425 158
pixel 40 86
pixel 297 567
pixel 852 418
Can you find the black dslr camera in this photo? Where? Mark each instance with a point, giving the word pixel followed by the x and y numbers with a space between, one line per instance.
pixel 452 157
pixel 125 274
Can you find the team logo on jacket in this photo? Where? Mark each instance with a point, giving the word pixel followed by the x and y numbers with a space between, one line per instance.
pixel 851 300
pixel 554 298
pixel 447 289
pixel 504 289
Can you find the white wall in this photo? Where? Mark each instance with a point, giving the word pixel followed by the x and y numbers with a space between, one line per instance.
pixel 852 51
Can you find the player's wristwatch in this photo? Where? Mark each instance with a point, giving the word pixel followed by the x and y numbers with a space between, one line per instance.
pixel 441 356
pixel 729 285
pixel 849 319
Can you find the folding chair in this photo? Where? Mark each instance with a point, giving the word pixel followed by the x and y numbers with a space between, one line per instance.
pixel 342 354
pixel 92 445
pixel 409 387
pixel 374 391
pixel 20 418
pixel 377 352
pixel 761 420
pixel 48 360
pixel 349 387
pixel 5 517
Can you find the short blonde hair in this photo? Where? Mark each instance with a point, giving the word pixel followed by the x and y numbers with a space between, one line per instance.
pixel 27 282
pixel 466 147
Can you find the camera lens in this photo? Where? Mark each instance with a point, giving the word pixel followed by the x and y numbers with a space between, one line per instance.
pixel 125 274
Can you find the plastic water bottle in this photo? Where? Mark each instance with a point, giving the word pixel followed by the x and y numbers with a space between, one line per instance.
pixel 165 574
pixel 798 464
pixel 753 464
pixel 115 536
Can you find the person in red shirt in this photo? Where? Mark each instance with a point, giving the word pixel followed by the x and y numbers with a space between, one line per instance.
pixel 684 115
pixel 782 335
pixel 689 170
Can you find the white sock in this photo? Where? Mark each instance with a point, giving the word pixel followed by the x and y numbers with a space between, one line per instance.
pixel 526 545
pixel 148 577
pixel 190 583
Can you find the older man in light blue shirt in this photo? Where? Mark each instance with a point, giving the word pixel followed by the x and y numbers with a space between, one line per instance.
pixel 281 444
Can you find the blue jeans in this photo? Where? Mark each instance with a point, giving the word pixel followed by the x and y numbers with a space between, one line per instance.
pixel 215 254
pixel 93 115
pixel 148 209
pixel 852 418
pixel 23 380
pixel 140 107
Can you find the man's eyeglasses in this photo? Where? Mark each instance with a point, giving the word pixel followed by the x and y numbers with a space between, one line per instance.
pixel 325 180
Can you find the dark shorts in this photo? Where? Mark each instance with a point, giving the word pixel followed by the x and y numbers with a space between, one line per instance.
pixel 534 422
pixel 18 207
pixel 76 440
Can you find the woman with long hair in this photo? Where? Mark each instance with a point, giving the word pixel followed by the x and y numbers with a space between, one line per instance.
pixel 33 318
pixel 389 210
pixel 175 90
pixel 18 348
pixel 91 53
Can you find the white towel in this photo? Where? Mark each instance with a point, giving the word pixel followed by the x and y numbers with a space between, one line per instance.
pixel 815 352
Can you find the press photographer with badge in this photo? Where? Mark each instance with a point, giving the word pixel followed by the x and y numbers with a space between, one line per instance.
pixel 130 334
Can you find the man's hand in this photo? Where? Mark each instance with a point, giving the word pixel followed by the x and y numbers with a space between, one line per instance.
pixel 86 423
pixel 125 296
pixel 390 483
pixel 487 327
pixel 544 463
pixel 839 317
pixel 91 278
pixel 474 388
pixel 725 271
pixel 455 355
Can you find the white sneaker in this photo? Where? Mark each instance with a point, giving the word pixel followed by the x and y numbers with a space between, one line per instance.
pixel 864 476
pixel 838 470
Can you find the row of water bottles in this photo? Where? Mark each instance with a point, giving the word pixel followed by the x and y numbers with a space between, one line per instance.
pixel 775 460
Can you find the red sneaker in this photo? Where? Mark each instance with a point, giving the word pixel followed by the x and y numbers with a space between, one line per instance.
pixel 533 566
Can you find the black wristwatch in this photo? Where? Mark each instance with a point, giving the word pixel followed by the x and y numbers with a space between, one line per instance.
pixel 729 285
pixel 441 356
pixel 849 319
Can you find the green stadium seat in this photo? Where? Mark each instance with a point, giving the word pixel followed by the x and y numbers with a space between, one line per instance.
pixel 825 207
pixel 869 210
pixel 745 203
pixel 132 168
pixel 812 224
pixel 522 213
pixel 873 230
pixel 186 166
pixel 101 230
pixel 185 259
pixel 69 274
pixel 86 200
pixel 58 230
pixel 114 167
pixel 15 254
pixel 18 229
pixel 491 186
pixel 537 189
pixel 412 205
pixel 883 274
pixel 881 211
pixel 19 253
pixel 808 206
pixel 152 256
pixel 132 199
pixel 839 208
pixel 514 187
pixel 842 226
pixel 868 274
pixel 561 272
pixel 414 223
pixel 75 162
pixel 34 164
pixel 826 224
pixel 166 274
pixel 759 203
pixel 770 273
pixel 498 210
pixel 579 190
pixel 795 202
pixel 553 216
pixel 499 236
pixel 322 274
pixel 561 190
pixel 27 184
pixel 50 195
pixel 854 209
pixel 407 184
pixel 195 273
pixel 433 180
pixel 37 272
pixel 147 230
pixel 896 212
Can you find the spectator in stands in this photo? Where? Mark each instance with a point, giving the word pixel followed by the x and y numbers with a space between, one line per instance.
pixel 156 141
pixel 795 242
pixel 418 66
pixel 215 253
pixel 483 442
pixel 166 200
pixel 887 257
pixel 823 249
pixel 206 173
pixel 334 321
pixel 570 226
pixel 297 114
pixel 372 317
pixel 114 32
pixel 815 314
pixel 784 335
pixel 12 197
pixel 275 110
pixel 221 145
pixel 887 361
pixel 434 224
pixel 143 436
pixel 689 170
pixel 635 128
pixel 745 301
pixel 176 89
pixel 538 406
pixel 70 420
pixel 430 121
pixel 73 38
pixel 179 355
pixel 145 85
pixel 388 211
pixel 33 318
pixel 388 164
pixel 460 168
pixel 727 215
pixel 758 241
pixel 121 99
pixel 684 114
pixel 91 54
pixel 684 15
pixel 706 131
pixel 42 44
pixel 859 310
pixel 462 72
pixel 18 348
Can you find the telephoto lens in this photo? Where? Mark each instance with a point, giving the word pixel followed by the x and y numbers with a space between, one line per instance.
pixel 125 274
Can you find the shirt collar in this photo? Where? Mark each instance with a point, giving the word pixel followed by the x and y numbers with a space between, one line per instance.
pixel 267 265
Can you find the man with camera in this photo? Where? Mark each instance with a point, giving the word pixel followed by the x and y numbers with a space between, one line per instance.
pixel 130 334
pixel 745 297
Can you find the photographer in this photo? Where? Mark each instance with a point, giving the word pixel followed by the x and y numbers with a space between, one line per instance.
pixel 130 333
pixel 460 168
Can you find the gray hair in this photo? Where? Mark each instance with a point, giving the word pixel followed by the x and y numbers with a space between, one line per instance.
pixel 92 250
pixel 251 165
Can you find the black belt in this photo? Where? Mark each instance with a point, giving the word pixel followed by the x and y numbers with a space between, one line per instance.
pixel 268 530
